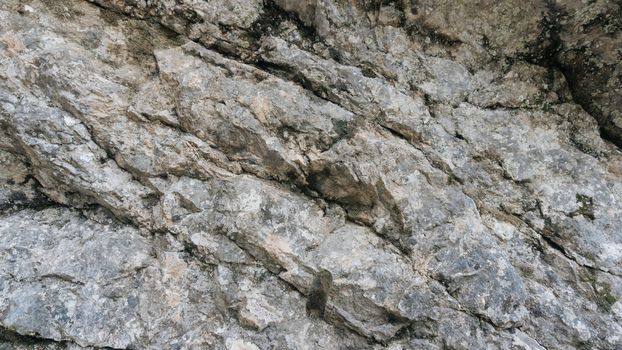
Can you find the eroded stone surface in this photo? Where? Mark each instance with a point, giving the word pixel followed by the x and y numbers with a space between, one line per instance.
pixel 310 174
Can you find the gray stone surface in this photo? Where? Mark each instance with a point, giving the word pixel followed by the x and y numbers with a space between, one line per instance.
pixel 326 174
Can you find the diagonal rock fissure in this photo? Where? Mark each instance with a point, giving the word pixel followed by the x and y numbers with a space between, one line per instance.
pixel 33 340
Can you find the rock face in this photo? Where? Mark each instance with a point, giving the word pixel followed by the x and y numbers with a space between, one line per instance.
pixel 318 174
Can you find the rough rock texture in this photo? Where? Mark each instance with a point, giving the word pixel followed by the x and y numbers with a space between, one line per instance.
pixel 318 174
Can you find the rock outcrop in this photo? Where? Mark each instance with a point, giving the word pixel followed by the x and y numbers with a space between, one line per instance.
pixel 318 174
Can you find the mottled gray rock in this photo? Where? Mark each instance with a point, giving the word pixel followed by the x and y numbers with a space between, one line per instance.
pixel 310 175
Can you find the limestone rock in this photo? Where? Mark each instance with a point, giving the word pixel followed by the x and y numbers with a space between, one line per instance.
pixel 315 174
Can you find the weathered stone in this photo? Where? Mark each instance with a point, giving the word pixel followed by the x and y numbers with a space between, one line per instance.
pixel 310 174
